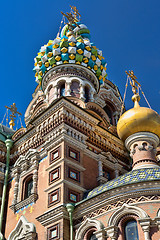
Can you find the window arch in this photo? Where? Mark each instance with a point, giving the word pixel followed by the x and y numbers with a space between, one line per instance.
pixel 50 93
pixel 88 230
pixel 86 94
pixel 27 187
pixel 62 90
pixel 109 112
pixel 75 89
pixel 131 230
pixel 90 234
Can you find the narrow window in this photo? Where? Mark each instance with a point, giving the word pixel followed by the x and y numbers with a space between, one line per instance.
pixel 130 230
pixel 28 187
pixel 86 94
pixel 75 89
pixel 62 90
pixel 109 113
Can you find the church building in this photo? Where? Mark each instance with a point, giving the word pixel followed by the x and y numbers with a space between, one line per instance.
pixel 81 169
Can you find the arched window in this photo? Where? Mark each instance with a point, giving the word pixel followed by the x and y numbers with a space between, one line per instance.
pixel 92 237
pixel 75 89
pixel 62 90
pixel 130 230
pixel 89 235
pixel 50 94
pixel 28 187
pixel 108 110
pixel 86 94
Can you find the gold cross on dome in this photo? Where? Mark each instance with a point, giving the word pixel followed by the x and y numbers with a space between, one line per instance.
pixel 12 116
pixel 72 17
pixel 75 12
pixel 134 81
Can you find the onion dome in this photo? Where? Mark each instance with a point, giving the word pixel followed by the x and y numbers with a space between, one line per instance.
pixel 138 119
pixel 72 47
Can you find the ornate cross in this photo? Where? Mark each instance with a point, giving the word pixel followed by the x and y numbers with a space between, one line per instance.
pixel 12 116
pixel 72 17
pixel 134 81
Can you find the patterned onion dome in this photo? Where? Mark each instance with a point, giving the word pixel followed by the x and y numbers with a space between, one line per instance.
pixel 71 48
pixel 138 119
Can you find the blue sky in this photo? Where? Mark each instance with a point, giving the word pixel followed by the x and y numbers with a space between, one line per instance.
pixel 127 31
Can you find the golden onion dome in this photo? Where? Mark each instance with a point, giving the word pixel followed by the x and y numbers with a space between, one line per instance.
pixel 138 119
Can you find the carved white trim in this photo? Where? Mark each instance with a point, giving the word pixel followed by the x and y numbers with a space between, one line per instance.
pixel 142 136
pixel 88 223
pixel 157 219
pixel 23 230
pixel 126 209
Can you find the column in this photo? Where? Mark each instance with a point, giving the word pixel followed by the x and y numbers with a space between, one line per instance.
pixel 16 186
pixel 91 96
pixel 112 232
pixel 68 89
pixel 100 169
pixel 35 176
pixel 82 92
pixel 145 224
pixel 55 92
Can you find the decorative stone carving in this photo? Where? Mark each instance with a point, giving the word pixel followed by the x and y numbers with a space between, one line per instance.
pixel 126 209
pixel 89 223
pixel 23 230
pixel 157 219
pixel 23 166
pixel 145 224
pixel 142 147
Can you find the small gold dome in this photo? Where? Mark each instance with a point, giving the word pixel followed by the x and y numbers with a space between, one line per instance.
pixel 138 119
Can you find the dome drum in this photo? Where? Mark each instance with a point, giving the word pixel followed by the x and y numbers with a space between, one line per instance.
pixel 142 136
pixel 69 70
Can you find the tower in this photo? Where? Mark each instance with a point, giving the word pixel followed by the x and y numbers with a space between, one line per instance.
pixel 70 173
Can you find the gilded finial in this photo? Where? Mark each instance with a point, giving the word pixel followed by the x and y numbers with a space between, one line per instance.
pixel 72 18
pixel 12 116
pixel 133 82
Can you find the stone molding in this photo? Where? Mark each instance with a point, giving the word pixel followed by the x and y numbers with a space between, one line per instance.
pixel 109 95
pixel 31 199
pixel 142 136
pixel 70 70
pixel 89 223
pixel 124 210
pixel 53 215
pixel 67 80
pixel 157 219
pixel 23 167
pixel 24 230
pixel 64 110
pixel 110 200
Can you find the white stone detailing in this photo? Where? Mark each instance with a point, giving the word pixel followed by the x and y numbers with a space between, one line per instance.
pixel 142 136
pixel 87 224
pixel 126 209
pixel 23 230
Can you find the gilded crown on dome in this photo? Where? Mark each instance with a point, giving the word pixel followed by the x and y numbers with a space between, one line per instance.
pixel 72 47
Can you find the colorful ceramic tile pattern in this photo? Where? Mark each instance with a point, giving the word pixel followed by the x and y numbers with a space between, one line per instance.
pixel 139 175
pixel 75 49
